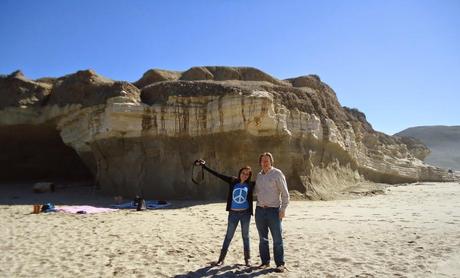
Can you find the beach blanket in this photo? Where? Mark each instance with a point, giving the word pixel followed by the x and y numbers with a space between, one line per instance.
pixel 83 209
pixel 151 204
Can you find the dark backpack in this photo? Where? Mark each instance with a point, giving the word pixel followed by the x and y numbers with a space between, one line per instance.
pixel 48 207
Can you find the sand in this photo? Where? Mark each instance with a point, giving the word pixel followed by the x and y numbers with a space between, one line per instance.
pixel 410 231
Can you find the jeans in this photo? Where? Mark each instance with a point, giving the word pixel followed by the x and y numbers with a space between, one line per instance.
pixel 268 218
pixel 233 218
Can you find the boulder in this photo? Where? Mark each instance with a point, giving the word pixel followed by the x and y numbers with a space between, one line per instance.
pixel 88 88
pixel 42 187
pixel 156 75
pixel 311 81
pixel 197 73
pixel 18 91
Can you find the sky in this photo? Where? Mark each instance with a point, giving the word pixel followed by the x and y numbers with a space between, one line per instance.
pixel 398 61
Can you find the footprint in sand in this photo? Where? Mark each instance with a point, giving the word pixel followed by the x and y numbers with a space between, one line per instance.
pixel 343 260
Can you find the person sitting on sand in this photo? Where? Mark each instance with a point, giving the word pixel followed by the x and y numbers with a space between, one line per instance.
pixel 239 206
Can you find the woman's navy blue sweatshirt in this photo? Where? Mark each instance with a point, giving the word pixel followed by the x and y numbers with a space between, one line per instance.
pixel 232 181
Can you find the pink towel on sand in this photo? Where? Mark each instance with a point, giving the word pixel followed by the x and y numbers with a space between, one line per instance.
pixel 87 209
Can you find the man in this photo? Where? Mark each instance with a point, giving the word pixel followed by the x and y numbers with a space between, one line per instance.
pixel 272 200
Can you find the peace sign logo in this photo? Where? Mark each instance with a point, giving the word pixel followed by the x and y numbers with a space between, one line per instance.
pixel 239 195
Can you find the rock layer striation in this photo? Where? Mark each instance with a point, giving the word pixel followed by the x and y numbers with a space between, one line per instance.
pixel 142 138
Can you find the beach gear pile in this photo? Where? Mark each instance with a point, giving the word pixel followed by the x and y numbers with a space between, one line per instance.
pixel 149 204
pixel 138 204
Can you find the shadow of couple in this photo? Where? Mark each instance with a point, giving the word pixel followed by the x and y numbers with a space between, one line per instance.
pixel 234 270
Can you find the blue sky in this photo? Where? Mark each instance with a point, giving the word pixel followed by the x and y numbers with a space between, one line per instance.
pixel 397 61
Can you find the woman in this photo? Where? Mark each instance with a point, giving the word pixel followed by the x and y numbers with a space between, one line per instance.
pixel 239 206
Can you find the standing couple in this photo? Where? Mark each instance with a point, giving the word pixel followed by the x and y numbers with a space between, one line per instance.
pixel 272 199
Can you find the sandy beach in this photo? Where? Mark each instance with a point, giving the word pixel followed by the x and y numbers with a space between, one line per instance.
pixel 410 231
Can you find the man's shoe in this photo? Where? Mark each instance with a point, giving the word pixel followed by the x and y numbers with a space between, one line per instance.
pixel 280 269
pixel 263 266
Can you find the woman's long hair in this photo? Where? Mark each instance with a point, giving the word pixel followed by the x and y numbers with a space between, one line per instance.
pixel 250 173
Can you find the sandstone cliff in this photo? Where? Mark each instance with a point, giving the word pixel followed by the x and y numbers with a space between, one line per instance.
pixel 443 141
pixel 143 138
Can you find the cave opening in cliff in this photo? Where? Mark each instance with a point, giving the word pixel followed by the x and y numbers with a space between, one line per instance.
pixel 37 153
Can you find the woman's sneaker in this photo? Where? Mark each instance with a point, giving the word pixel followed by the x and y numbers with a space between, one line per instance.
pixel 218 263
pixel 247 262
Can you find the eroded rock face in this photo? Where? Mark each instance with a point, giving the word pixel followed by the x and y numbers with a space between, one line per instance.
pixel 17 91
pixel 143 141
pixel 415 147
pixel 443 143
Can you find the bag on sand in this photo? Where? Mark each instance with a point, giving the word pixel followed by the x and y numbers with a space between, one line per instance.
pixel 48 207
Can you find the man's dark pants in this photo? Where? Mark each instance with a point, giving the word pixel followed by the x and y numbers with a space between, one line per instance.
pixel 268 219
